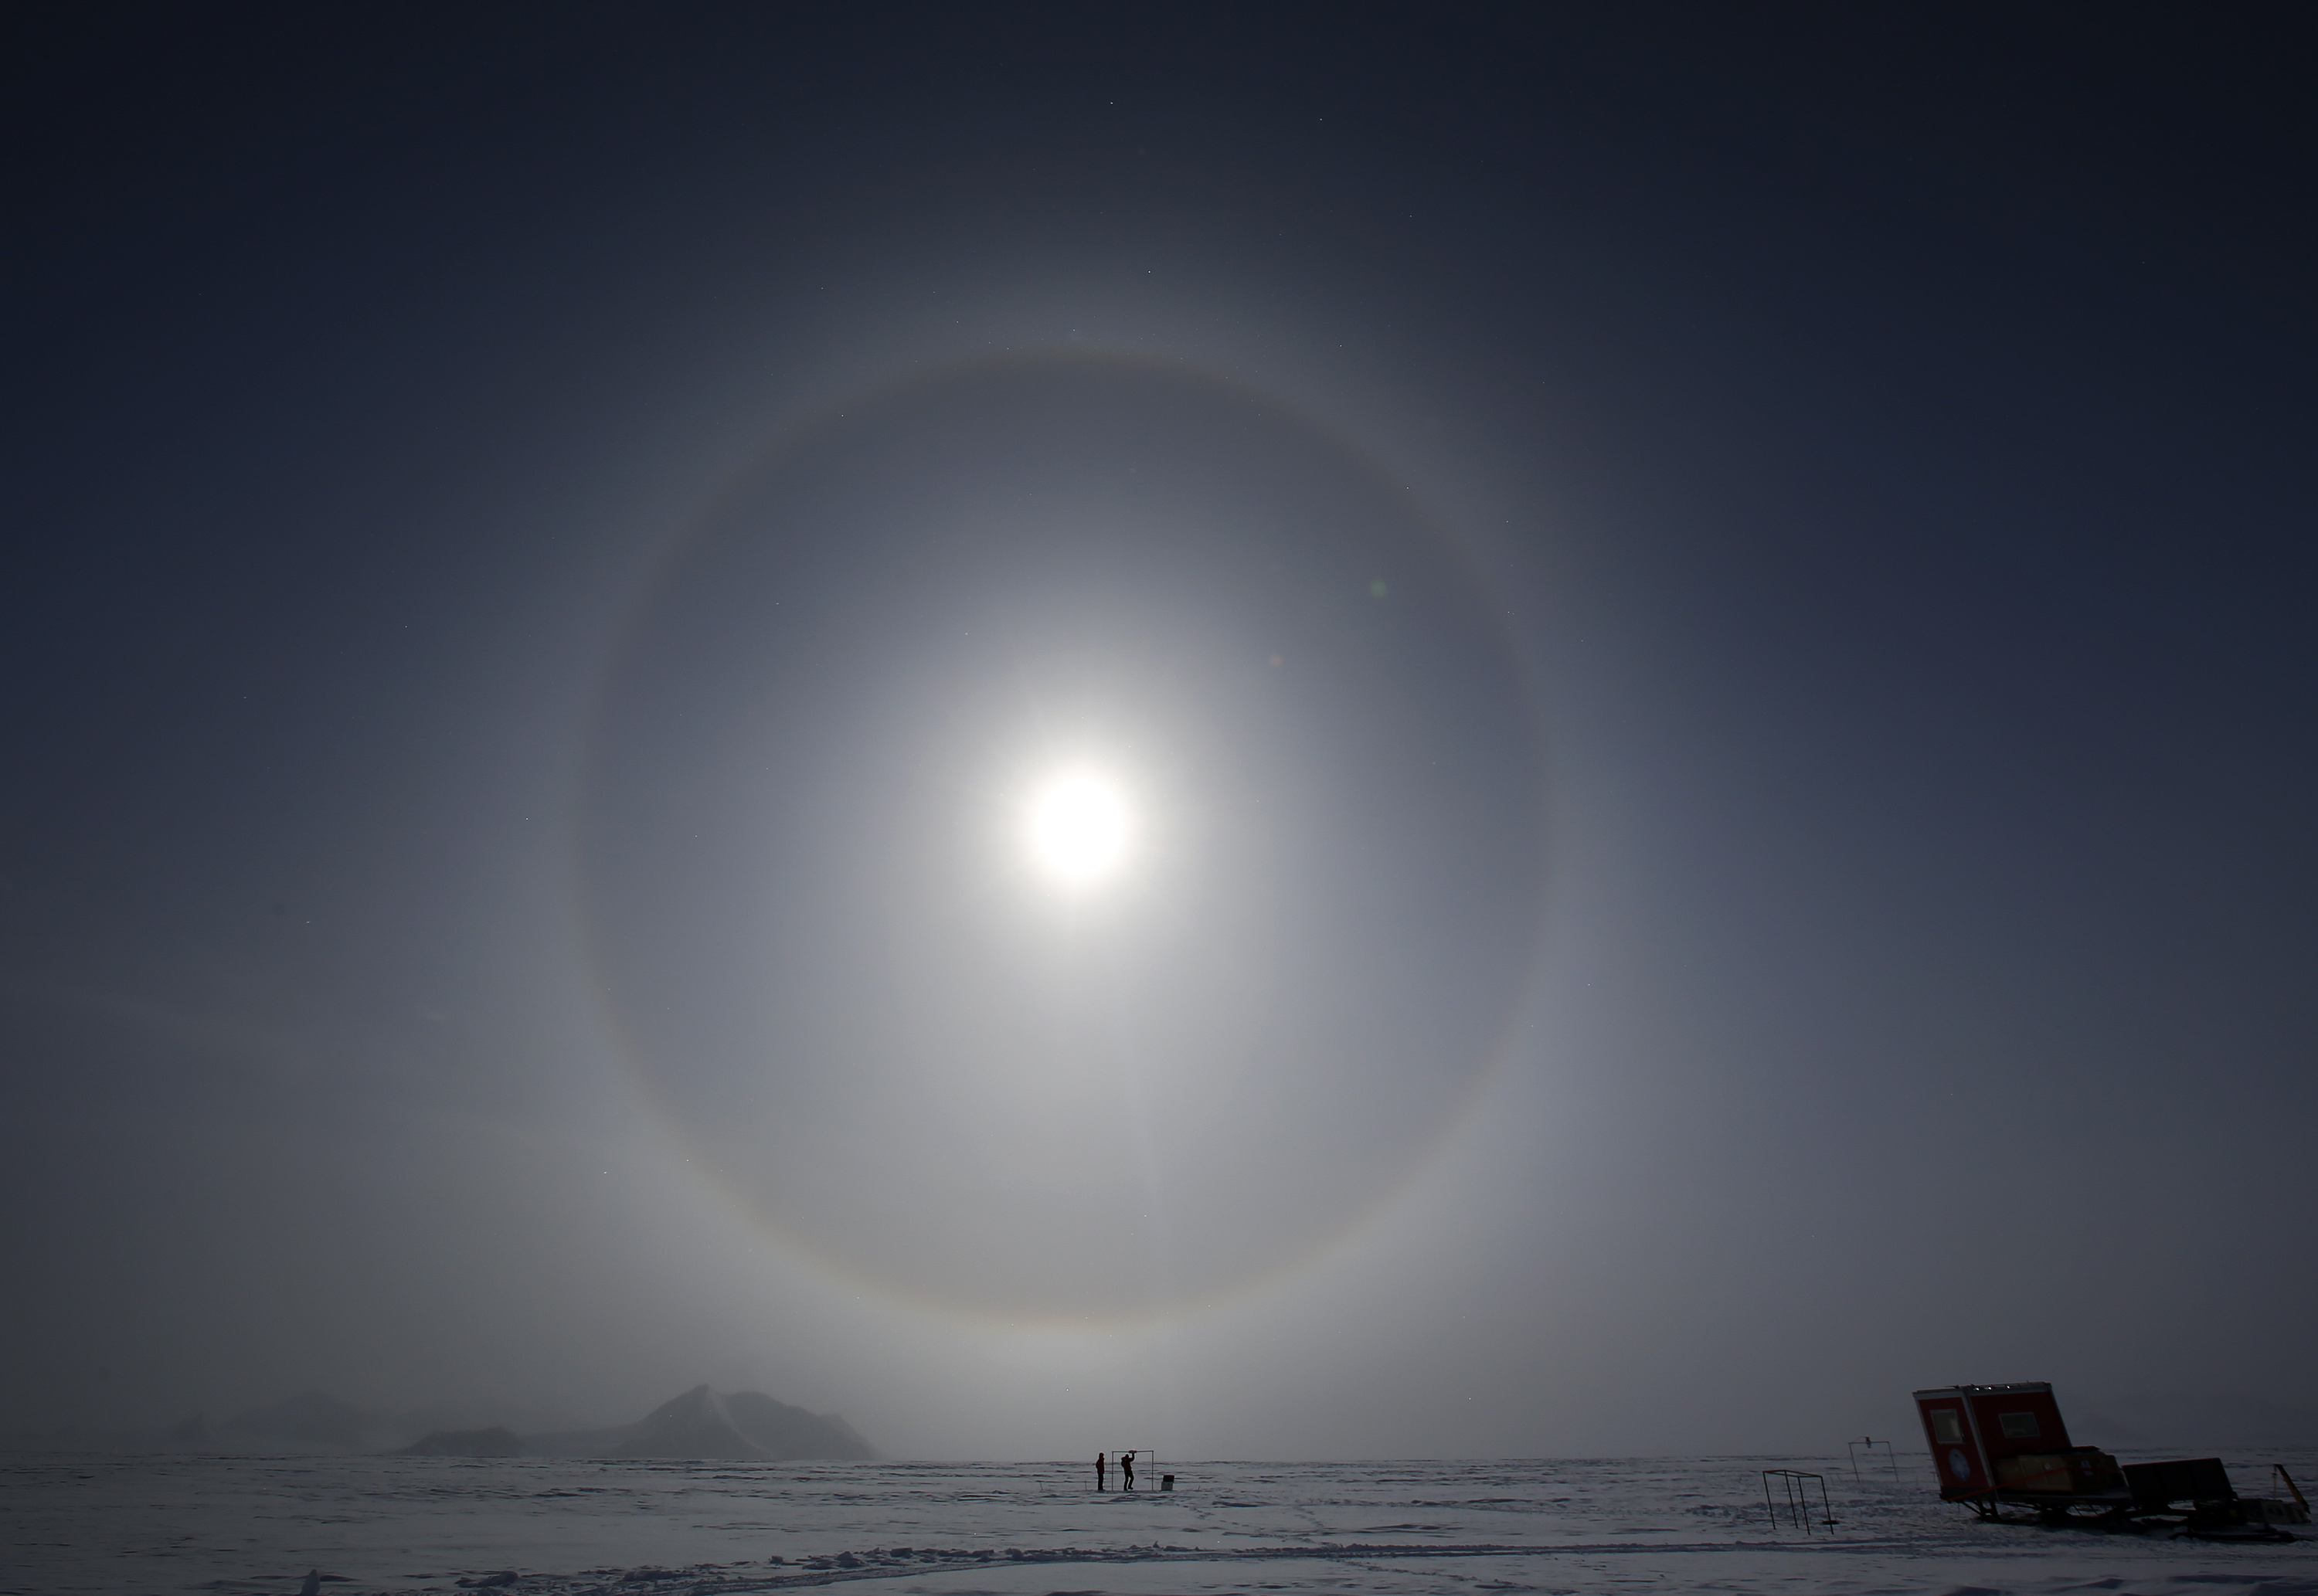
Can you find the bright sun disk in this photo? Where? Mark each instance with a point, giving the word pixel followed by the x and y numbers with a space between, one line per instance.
pixel 1079 830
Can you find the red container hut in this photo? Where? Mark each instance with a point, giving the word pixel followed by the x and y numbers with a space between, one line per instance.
pixel 2004 1447
pixel 1977 1432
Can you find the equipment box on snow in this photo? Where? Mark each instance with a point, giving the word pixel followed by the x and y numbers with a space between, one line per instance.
pixel 2187 1479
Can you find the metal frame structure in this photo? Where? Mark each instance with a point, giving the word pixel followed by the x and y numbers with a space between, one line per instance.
pixel 1796 1484
pixel 1869 1444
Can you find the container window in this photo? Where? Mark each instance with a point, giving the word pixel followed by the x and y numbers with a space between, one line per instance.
pixel 2019 1427
pixel 1947 1427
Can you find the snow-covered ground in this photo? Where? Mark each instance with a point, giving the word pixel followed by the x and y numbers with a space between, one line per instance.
pixel 152 1524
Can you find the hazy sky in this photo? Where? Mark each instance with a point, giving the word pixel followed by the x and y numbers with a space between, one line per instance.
pixel 1549 729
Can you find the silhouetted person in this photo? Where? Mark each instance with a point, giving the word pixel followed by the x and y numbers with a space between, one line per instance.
pixel 1097 1471
pixel 1127 1468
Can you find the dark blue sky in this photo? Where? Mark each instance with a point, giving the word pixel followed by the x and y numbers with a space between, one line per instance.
pixel 1774 868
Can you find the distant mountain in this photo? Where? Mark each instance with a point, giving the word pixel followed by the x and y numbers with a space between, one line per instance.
pixel 308 1420
pixel 498 1441
pixel 785 1433
pixel 701 1423
pixel 696 1425
pixel 575 1443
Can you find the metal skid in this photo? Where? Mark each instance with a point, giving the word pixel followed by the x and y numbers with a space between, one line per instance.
pixel 2213 1513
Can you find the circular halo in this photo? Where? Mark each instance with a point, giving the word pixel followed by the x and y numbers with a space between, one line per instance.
pixel 870 1047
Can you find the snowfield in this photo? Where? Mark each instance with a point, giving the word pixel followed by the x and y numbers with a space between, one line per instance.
pixel 85 1523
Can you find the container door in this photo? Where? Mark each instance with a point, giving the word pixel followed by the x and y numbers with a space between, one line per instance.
pixel 1955 1449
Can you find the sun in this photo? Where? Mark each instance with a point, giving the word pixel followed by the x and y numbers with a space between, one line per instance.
pixel 1078 829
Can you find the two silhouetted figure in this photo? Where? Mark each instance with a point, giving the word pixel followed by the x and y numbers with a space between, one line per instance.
pixel 1126 1471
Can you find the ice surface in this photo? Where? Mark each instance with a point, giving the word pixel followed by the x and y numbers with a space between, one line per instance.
pixel 1618 1527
